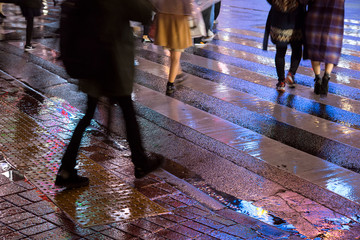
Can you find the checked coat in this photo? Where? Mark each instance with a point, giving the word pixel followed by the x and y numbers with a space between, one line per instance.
pixel 324 29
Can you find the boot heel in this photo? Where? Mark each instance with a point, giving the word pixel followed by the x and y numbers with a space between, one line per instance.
pixel 317 85
pixel 324 88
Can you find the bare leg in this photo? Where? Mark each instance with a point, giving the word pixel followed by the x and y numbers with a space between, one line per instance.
pixel 174 65
pixel 328 68
pixel 316 67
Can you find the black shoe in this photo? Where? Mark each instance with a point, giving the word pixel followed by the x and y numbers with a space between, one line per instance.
pixel 180 78
pixel 324 88
pixel 170 88
pixel 71 180
pixel 153 162
pixel 317 84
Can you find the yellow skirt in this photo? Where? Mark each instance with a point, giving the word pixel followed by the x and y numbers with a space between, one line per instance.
pixel 172 31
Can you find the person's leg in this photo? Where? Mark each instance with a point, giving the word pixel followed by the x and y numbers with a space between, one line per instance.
pixel 29 30
pixel 174 70
pixel 280 67
pixel 217 9
pixel 142 163
pixel 296 54
pixel 68 161
pixel 328 68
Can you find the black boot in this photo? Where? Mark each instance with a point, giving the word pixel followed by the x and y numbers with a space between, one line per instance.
pixel 324 88
pixel 317 84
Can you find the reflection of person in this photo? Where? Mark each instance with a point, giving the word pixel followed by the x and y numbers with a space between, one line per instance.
pixel 284 25
pixel 324 29
pixel 115 52
pixel 173 33
pixel 30 9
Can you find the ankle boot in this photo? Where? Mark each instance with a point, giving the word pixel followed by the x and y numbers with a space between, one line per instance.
pixel 317 84
pixel 324 88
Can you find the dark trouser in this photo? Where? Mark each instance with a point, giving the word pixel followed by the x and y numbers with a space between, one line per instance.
pixel 146 29
pixel 207 15
pixel 217 9
pixel 68 162
pixel 280 59
pixel 29 29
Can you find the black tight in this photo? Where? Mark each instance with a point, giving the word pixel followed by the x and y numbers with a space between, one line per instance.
pixel 280 59
pixel 29 30
pixel 68 162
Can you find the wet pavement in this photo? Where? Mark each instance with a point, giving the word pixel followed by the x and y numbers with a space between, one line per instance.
pixel 244 162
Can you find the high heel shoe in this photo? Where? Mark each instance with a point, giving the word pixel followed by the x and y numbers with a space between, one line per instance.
pixel 317 84
pixel 324 88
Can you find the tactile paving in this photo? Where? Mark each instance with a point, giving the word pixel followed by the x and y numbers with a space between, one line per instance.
pixel 36 153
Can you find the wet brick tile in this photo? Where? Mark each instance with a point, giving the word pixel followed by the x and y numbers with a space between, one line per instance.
pixel 100 228
pixel 40 208
pixel 172 202
pixel 221 220
pixel 197 226
pixel 167 187
pixel 184 199
pixel 37 229
pixel 16 217
pixel 98 236
pixel 185 231
pixel 206 237
pixel 223 236
pixel 5 205
pixel 144 182
pixel 117 234
pixel 184 213
pixel 17 200
pixel 29 222
pixel 56 233
pixel 240 231
pixel 154 236
pixel 238 217
pixel 198 211
pixel 10 188
pixel 5 230
pixel 161 221
pixel 144 224
pixel 168 234
pixel 3 180
pixel 12 236
pixel 210 223
pixel 131 229
pixel 152 192
pixel 9 212
pixel 164 205
pixel 31 195
pixel 174 218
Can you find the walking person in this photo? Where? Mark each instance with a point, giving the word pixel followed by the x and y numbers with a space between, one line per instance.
pixel 285 26
pixel 173 33
pixel 30 9
pixel 111 48
pixel 324 30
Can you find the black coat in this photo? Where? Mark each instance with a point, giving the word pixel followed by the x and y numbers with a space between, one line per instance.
pixel 285 22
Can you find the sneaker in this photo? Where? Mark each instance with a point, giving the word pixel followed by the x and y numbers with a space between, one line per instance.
pixel 280 86
pixel 29 47
pixel 199 44
pixel 290 80
pixel 71 180
pixel 180 78
pixel 170 88
pixel 154 161
pixel 209 37
pixel 146 39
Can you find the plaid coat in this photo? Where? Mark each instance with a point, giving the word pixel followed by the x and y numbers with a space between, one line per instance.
pixel 324 29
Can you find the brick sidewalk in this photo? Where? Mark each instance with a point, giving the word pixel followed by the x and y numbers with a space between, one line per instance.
pixel 27 213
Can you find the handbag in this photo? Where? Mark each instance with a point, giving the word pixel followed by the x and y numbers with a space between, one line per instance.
pixel 196 23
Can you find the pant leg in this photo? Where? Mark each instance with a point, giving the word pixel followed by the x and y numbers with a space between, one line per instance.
pixel 132 131
pixel 217 10
pixel 280 62
pixel 296 56
pixel 29 29
pixel 68 161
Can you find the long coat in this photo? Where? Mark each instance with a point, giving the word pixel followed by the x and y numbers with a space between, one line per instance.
pixel 284 23
pixel 115 46
pixel 324 29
